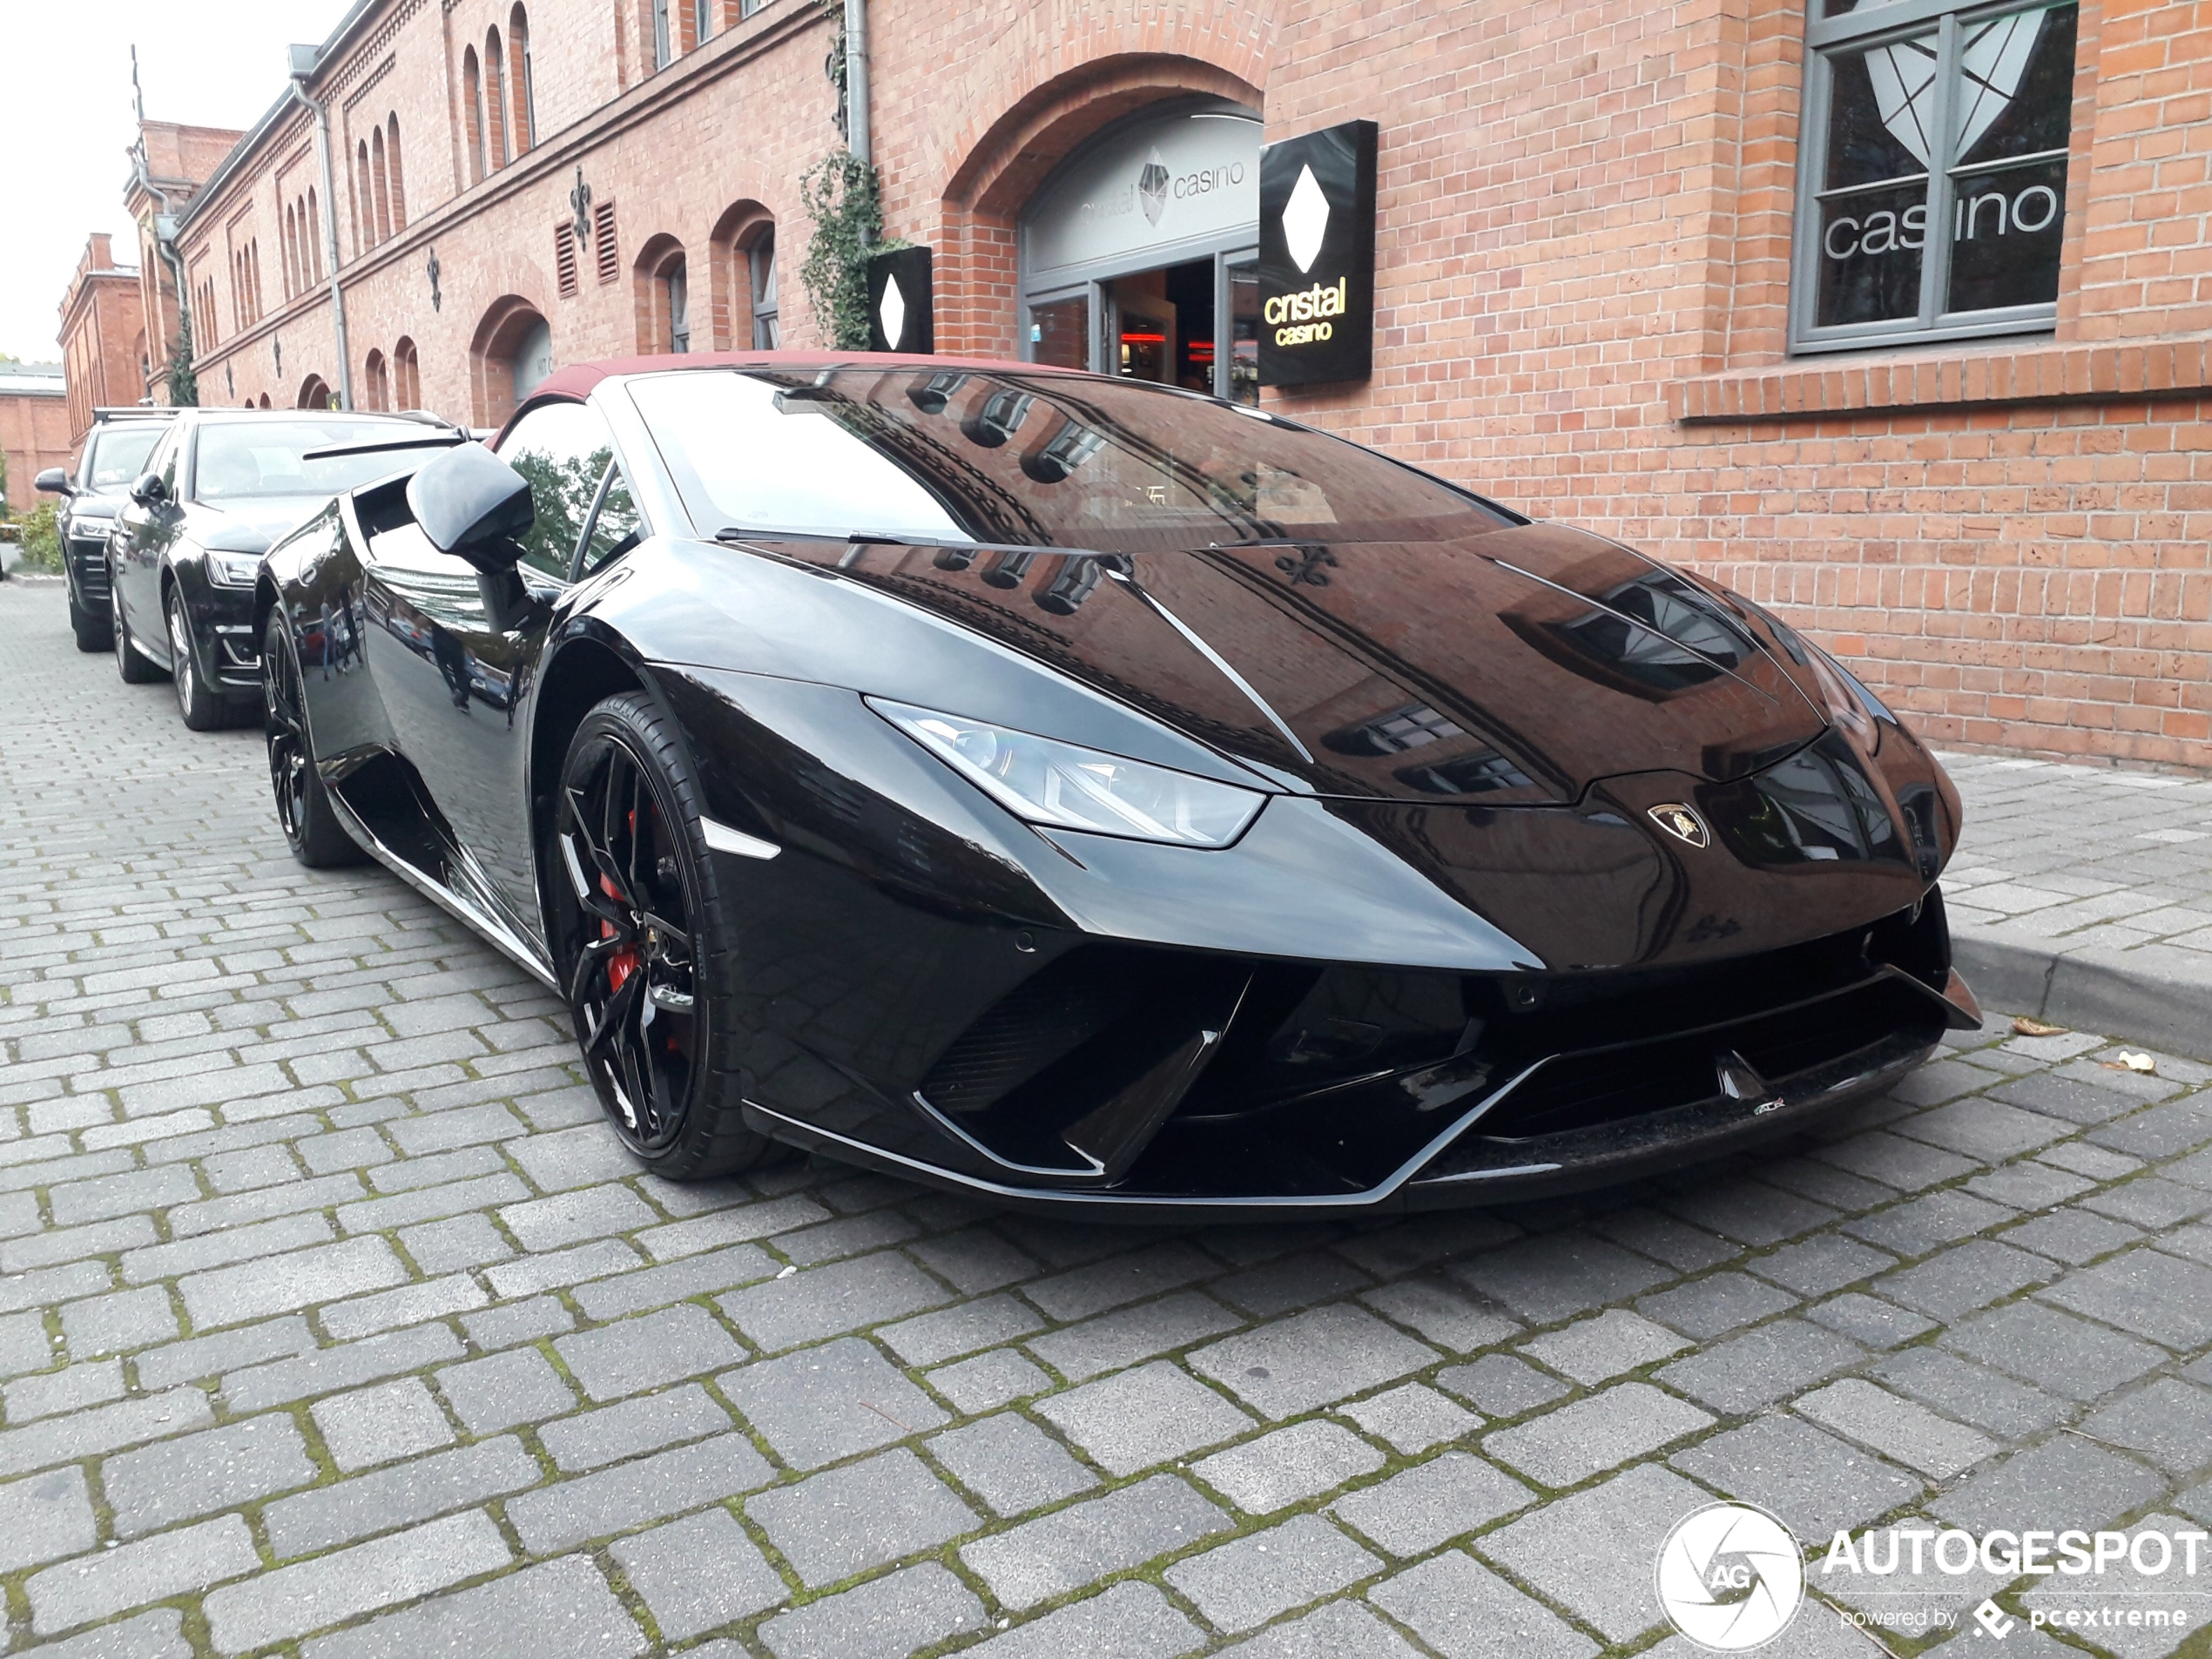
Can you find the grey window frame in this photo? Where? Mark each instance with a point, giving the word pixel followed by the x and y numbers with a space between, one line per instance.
pixel 1871 25
pixel 767 309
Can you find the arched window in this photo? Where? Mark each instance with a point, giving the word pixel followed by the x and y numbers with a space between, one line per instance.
pixel 760 268
pixel 364 211
pixel 398 182
pixel 495 99
pixel 253 261
pixel 312 229
pixel 524 82
pixel 663 36
pixel 288 244
pixel 376 383
pixel 663 297
pixel 380 185
pixel 472 95
pixel 702 22
pixel 407 374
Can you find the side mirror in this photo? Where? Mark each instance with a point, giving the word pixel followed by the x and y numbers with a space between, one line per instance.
pixel 54 481
pixel 149 490
pixel 473 505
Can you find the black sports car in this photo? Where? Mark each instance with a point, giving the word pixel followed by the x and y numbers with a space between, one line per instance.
pixel 1092 795
pixel 218 487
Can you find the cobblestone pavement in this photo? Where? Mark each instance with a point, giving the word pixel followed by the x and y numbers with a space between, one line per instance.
pixel 332 1323
pixel 2087 890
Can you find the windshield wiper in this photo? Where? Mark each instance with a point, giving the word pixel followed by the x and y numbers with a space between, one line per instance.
pixel 882 538
pixel 436 441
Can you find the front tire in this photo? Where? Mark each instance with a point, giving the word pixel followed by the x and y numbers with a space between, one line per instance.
pixel 199 703
pixel 647 960
pixel 93 632
pixel 130 662
pixel 311 825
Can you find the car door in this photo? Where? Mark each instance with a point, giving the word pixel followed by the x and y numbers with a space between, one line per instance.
pixel 142 535
pixel 453 660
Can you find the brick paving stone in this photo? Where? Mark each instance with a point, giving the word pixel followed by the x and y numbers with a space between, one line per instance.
pixel 1579 1440
pixel 2143 1290
pixel 818 1405
pixel 634 1355
pixel 2053 1351
pixel 1136 1418
pixel 1868 1320
pixel 1311 1359
pixel 1463 1609
pixel 563 1608
pixel 830 1301
pixel 1953 1283
pixel 932 1338
pixel 635 1291
pixel 45 1518
pixel 1288 1466
pixel 629 1494
pixel 1911 1434
pixel 1040 1560
pixel 1571 1551
pixel 1499 1384
pixel 1010 1463
pixel 285 1284
pixel 2075 1237
pixel 833 1525
pixel 2169 1422
pixel 1828 1261
pixel 399 1495
pixel 393 1419
pixel 1130 1619
pixel 1761 1365
pixel 1991 1402
pixel 1547 1279
pixel 886 1618
pixel 988 1381
pixel 613 1432
pixel 292 1601
pixel 130 1575
pixel 1412 1417
pixel 698 1573
pixel 104 1428
pixel 67 1390
pixel 1419 1508
pixel 157 1634
pixel 1244 1583
pixel 505 1389
pixel 1707 1307
pixel 1815 1482
pixel 1112 1340
pixel 1597 1349
pixel 198 1474
pixel 2064 1481
pixel 1452 1317
pixel 327 1369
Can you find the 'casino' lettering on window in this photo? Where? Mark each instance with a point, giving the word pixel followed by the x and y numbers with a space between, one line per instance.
pixel 1992 213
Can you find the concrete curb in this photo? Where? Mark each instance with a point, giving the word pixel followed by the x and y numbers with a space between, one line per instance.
pixel 2123 994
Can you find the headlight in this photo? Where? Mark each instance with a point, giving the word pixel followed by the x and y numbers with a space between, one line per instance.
pixel 1048 782
pixel 233 570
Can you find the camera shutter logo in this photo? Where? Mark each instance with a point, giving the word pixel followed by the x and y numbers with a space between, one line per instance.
pixel 1731 1577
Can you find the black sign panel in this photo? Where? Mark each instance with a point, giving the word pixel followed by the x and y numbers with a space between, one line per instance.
pixel 1317 257
pixel 902 301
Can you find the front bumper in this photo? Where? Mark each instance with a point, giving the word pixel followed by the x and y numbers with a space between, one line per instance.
pixel 87 561
pixel 221 618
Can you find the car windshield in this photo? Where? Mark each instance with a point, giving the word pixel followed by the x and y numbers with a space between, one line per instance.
pixel 119 455
pixel 1041 460
pixel 238 460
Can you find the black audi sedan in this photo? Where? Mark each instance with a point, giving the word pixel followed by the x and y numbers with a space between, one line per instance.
pixel 1103 798
pixel 113 458
pixel 216 490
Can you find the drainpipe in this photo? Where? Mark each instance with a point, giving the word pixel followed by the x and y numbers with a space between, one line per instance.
pixel 303 65
pixel 856 79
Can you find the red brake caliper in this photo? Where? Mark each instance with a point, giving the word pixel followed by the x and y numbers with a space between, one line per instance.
pixel 622 963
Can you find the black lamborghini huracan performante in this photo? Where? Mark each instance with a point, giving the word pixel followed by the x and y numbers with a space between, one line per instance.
pixel 1097 796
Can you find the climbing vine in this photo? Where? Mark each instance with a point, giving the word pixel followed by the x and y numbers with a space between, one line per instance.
pixel 843 195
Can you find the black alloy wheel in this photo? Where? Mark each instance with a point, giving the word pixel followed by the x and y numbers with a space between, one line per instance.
pixel 303 807
pixel 130 662
pixel 199 703
pixel 643 969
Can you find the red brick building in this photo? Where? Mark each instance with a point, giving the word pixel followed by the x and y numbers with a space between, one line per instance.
pixel 104 337
pixel 1673 270
pixel 34 430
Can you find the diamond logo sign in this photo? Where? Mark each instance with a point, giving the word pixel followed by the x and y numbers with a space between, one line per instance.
pixel 1991 58
pixel 892 312
pixel 1306 220
pixel 1152 187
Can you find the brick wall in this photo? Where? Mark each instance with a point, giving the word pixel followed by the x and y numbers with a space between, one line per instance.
pixel 1585 216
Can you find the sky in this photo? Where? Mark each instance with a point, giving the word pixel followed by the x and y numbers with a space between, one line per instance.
pixel 66 120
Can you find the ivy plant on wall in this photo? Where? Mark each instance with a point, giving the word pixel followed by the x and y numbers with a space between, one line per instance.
pixel 843 195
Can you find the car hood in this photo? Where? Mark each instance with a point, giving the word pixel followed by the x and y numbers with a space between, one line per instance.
pixel 1514 667
pixel 250 526
pixel 90 503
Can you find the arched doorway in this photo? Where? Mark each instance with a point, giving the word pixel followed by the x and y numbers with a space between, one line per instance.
pixel 509 358
pixel 313 393
pixel 1139 254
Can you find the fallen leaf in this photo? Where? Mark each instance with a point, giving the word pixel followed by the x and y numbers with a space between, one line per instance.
pixel 2026 1028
